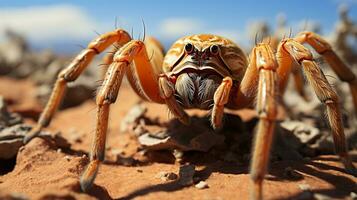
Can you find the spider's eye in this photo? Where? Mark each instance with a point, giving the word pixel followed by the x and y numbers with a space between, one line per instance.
pixel 189 48
pixel 214 49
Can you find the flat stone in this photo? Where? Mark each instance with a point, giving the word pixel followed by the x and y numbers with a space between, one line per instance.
pixel 11 139
pixel 186 174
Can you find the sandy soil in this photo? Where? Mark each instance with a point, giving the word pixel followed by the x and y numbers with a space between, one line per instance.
pixel 44 171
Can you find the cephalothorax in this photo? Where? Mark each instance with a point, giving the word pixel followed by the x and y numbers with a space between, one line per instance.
pixel 206 72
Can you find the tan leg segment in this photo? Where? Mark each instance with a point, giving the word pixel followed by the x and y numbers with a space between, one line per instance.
pixel 340 68
pixel 299 82
pixel 72 72
pixel 221 97
pixel 167 92
pixel 132 51
pixel 156 56
pixel 264 62
pixel 248 87
pixel 107 95
pixel 324 92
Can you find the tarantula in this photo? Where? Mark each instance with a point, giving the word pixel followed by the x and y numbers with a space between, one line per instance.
pixel 202 70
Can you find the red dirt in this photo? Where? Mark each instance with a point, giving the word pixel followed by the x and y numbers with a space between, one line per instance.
pixel 44 172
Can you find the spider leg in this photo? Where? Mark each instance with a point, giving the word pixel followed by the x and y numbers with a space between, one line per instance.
pixel 155 55
pixel 71 73
pixel 107 95
pixel 339 67
pixel 221 97
pixel 167 92
pixel 263 60
pixel 299 82
pixel 293 50
pixel 132 51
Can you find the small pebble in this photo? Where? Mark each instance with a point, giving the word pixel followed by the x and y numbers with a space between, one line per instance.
pixel 167 176
pixel 186 174
pixel 126 161
pixel 201 185
pixel 59 150
pixel 305 187
pixel 68 158
pixel 178 155
pixel 318 196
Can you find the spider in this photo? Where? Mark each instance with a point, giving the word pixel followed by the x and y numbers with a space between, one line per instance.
pixel 201 71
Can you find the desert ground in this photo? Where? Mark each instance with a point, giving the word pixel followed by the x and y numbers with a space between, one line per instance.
pixel 49 167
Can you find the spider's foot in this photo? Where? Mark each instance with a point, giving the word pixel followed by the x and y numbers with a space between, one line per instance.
pixel 33 133
pixel 89 175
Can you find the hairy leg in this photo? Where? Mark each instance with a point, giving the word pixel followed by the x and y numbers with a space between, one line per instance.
pixel 72 72
pixel 267 112
pixel 339 67
pixel 132 51
pixel 221 97
pixel 167 91
pixel 260 83
pixel 327 95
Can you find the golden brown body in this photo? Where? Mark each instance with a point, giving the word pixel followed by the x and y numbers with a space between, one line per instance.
pixel 207 72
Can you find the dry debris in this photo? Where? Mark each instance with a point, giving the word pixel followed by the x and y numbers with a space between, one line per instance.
pixel 186 174
pixel 7 118
pixel 11 139
pixel 201 185
pixel 167 176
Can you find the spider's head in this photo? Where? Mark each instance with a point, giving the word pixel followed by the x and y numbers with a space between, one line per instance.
pixel 197 64
pixel 198 75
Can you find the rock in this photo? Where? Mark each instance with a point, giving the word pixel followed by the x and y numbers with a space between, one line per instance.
pixel 198 136
pixel 7 118
pixel 306 133
pixel 51 72
pixel 9 148
pixel 68 158
pixel 304 187
pixel 201 185
pixel 75 94
pixel 167 176
pixel 131 119
pixel 126 161
pixel 178 155
pixel 318 196
pixel 184 142
pixel 11 139
pixel 186 174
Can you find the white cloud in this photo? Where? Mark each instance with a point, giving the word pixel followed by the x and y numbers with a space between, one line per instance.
pixel 177 27
pixel 237 36
pixel 48 23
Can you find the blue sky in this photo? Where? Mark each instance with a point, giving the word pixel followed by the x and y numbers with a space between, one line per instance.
pixel 62 24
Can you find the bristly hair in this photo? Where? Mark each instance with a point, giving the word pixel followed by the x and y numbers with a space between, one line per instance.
pixel 144 29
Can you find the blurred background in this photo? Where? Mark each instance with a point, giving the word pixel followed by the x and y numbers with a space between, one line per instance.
pixel 38 38
pixel 65 25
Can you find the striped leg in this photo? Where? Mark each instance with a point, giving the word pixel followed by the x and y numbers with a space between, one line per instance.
pixel 221 97
pixel 132 51
pixel 293 50
pixel 72 72
pixel 339 67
